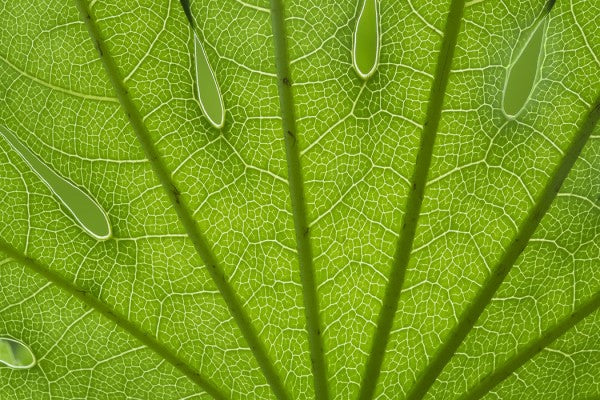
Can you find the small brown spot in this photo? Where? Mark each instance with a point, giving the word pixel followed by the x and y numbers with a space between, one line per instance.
pixel 176 193
pixel 99 48
pixel 291 134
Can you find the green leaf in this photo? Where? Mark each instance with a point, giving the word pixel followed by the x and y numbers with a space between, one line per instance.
pixel 396 237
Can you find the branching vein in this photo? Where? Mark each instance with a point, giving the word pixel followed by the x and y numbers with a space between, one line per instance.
pixel 414 202
pixel 183 212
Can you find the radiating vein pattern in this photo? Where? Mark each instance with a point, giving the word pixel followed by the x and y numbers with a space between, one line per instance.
pixel 532 301
pixel 182 209
pixel 148 270
pixel 358 153
pixel 475 203
pixel 473 311
pixel 236 184
pixel 358 143
pixel 414 203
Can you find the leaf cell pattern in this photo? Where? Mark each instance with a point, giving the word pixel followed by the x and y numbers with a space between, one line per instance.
pixel 140 316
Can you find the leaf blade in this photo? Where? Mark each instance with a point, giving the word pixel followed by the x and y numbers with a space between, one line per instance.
pixel 414 202
pixel 469 317
pixel 113 315
pixel 183 212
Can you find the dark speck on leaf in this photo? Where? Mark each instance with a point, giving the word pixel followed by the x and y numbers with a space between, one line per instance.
pixel 176 193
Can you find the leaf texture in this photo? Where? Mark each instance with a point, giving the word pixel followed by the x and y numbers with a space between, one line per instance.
pixel 140 316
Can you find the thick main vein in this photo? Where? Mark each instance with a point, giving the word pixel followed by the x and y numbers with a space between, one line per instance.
pixel 183 211
pixel 469 317
pixel 296 187
pixel 504 370
pixel 414 203
pixel 110 313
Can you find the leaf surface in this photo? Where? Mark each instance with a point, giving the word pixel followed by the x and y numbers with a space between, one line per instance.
pixel 127 317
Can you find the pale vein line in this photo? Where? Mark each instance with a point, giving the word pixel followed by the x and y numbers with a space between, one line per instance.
pixel 331 128
pixel 58 88
pixel 436 30
pixel 252 6
pixel 115 356
pixel 154 41
pixel 24 299
pixel 473 2
pixel 587 44
pixel 65 331
pixel 579 197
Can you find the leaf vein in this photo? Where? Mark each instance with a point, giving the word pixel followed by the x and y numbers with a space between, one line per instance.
pixel 296 188
pixel 186 218
pixel 414 202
